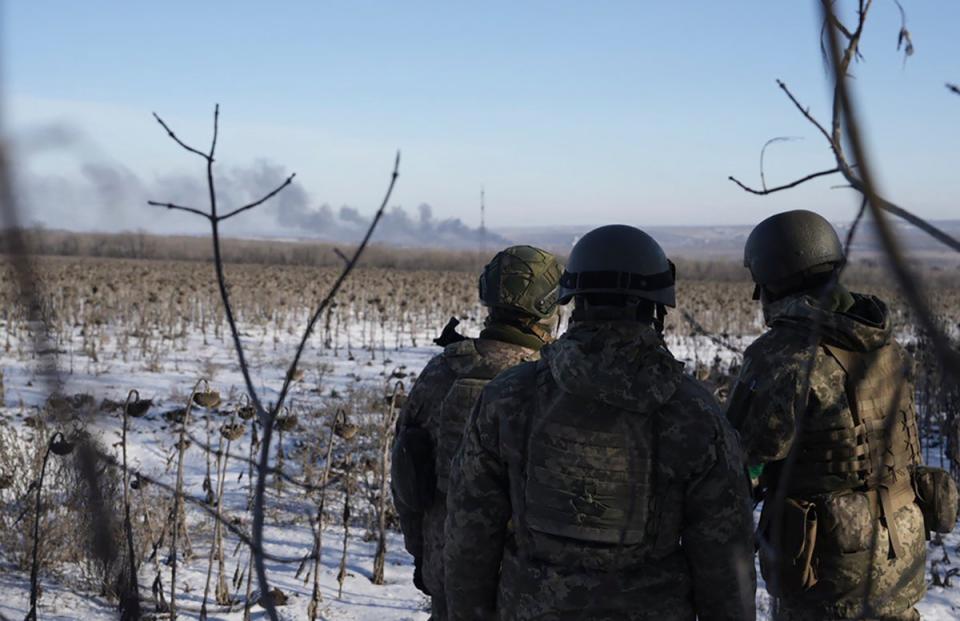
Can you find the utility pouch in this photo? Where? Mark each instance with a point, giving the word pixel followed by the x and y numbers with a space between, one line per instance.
pixel 848 523
pixel 413 470
pixel 937 496
pixel 790 568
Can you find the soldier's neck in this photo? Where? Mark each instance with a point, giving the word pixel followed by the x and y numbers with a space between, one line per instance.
pixel 509 333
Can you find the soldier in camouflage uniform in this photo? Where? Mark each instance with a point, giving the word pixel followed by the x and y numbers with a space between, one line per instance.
pixel 846 539
pixel 600 482
pixel 519 287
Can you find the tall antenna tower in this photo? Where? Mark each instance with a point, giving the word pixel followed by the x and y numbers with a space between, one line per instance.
pixel 483 220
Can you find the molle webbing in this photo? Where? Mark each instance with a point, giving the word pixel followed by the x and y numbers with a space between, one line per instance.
pixel 882 440
pixel 455 411
pixel 875 454
pixel 475 363
pixel 588 471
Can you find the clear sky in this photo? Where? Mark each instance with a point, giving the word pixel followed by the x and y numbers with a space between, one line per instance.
pixel 567 112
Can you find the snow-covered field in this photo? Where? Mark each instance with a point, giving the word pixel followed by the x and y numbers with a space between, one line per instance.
pixel 330 380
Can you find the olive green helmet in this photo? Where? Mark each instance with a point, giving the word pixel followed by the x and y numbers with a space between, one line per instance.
pixel 788 247
pixel 521 280
pixel 619 259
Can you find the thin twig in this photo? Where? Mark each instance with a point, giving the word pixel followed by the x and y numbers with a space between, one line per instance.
pixel 699 329
pixel 180 208
pixel 343 257
pixel 256 203
pixel 228 523
pixel 763 152
pixel 787 186
pixel 271 470
pixel 178 141
pixel 805 111
pixel 953 88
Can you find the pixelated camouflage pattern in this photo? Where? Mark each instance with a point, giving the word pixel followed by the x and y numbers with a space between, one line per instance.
pixel 423 532
pixel 764 406
pixel 496 567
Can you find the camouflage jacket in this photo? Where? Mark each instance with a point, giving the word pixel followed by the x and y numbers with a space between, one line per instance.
pixel 691 552
pixel 485 358
pixel 765 405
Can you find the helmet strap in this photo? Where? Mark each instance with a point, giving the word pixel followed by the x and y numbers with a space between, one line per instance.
pixel 584 310
pixel 659 318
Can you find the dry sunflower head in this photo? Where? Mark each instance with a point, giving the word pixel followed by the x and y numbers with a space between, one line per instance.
pixel 209 399
pixel 345 430
pixel 61 446
pixel 139 407
pixel 176 415
pixel 285 423
pixel 232 431
pixel 246 412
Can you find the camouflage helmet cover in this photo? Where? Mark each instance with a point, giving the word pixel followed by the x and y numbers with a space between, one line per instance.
pixel 791 244
pixel 619 259
pixel 523 280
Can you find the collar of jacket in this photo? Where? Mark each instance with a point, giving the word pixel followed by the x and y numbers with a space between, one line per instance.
pixel 508 333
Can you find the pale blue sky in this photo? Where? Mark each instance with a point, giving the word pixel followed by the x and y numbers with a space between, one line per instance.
pixel 568 112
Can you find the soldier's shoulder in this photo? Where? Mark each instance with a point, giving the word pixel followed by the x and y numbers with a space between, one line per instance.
pixel 466 347
pixel 693 428
pixel 436 371
pixel 514 381
pixel 694 414
pixel 777 346
pixel 693 398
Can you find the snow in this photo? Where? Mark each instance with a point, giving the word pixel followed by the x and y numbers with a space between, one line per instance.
pixel 167 379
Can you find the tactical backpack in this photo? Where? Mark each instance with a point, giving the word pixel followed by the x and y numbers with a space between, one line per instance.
pixel 589 469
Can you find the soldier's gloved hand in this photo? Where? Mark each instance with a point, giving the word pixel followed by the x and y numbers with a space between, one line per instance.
pixel 418 576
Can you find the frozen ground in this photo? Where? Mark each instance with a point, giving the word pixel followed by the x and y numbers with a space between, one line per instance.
pixel 168 379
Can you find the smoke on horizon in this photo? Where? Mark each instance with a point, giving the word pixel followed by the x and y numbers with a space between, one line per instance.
pixel 109 197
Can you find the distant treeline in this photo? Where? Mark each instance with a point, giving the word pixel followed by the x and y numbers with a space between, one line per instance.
pixel 139 245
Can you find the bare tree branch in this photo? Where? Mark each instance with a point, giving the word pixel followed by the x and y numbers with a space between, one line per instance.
pixel 258 500
pixel 953 88
pixel 180 208
pixel 216 128
pixel 805 111
pixel 763 152
pixel 835 137
pixel 343 257
pixel 266 417
pixel 908 282
pixel 793 184
pixel 177 140
pixel 256 203
pixel 699 329
pixel 202 503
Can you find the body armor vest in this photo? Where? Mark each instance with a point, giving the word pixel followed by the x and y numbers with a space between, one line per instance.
pixel 475 362
pixel 588 468
pixel 881 445
pixel 875 454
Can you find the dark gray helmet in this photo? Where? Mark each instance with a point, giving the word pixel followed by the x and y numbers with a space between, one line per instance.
pixel 619 259
pixel 791 245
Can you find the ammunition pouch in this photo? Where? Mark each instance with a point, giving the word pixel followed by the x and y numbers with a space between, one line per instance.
pixel 413 470
pixel 937 496
pixel 788 565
